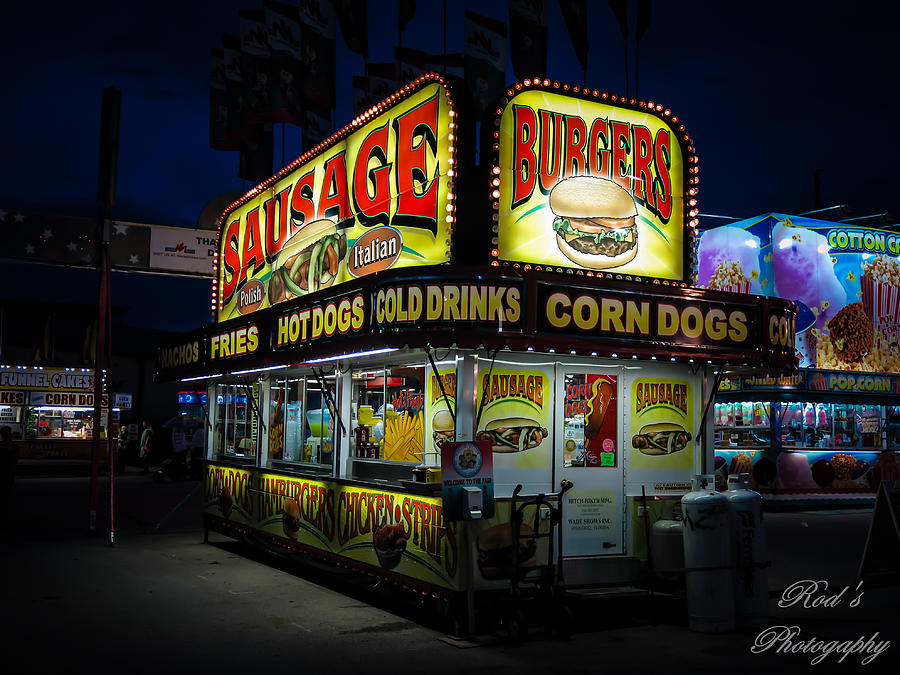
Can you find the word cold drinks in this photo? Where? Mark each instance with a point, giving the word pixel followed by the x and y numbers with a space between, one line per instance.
pixel 448 303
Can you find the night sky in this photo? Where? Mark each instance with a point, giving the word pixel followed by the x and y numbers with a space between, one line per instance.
pixel 769 91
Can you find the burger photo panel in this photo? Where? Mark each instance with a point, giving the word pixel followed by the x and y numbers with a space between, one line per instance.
pixel 583 183
pixel 439 411
pixel 515 407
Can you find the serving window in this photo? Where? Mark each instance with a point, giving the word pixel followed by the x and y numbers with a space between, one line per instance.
pixel 235 423
pixel 59 422
pixel 302 421
pixel 389 414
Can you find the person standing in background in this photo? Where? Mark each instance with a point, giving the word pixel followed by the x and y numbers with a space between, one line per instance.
pixel 146 446
pixel 9 458
pixel 122 446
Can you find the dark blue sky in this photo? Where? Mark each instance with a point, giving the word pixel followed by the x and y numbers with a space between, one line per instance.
pixel 770 92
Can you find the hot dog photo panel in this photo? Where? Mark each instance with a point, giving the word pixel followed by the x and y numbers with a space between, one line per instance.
pixel 515 408
pixel 661 435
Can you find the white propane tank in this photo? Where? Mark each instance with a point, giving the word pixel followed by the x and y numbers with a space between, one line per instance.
pixel 708 557
pixel 667 544
pixel 751 580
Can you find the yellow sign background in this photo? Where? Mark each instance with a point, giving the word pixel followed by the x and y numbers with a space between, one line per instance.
pixel 342 519
pixel 419 246
pixel 505 393
pixel 661 411
pixel 525 233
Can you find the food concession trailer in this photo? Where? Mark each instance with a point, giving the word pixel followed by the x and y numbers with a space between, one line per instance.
pixel 50 412
pixel 356 361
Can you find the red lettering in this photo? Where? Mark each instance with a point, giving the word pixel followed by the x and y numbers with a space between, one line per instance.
pixel 273 243
pixel 416 132
pixel 303 209
pixel 252 246
pixel 333 201
pixel 375 209
pixel 598 149
pixel 621 172
pixel 231 262
pixel 643 155
pixel 576 139
pixel 549 169
pixel 525 125
pixel 663 160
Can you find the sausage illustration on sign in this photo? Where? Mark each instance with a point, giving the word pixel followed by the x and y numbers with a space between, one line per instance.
pixel 662 438
pixel 513 434
pixel 308 262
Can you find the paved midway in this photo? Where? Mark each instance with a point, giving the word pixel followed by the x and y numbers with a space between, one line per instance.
pixel 161 601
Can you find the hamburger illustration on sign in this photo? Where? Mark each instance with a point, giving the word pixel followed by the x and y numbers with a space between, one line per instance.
pixel 594 222
pixel 594 183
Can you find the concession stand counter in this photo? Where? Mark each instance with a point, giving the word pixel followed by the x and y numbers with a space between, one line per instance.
pixel 830 433
pixel 359 366
pixel 50 412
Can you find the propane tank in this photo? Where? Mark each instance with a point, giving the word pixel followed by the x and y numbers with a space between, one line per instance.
pixel 751 580
pixel 667 542
pixel 708 557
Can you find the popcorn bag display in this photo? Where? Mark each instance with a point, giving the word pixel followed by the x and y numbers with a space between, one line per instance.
pixel 729 276
pixel 881 292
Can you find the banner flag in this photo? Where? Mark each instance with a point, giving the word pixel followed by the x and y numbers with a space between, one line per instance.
pixel 410 63
pixel 575 15
pixel 257 157
pixel 257 89
pixel 353 19
pixel 446 64
pixel 362 98
pixel 644 14
pixel 620 9
pixel 316 128
pixel 485 59
pixel 238 129
pixel 382 80
pixel 406 9
pixel 219 137
pixel 528 37
pixel 317 37
pixel 285 69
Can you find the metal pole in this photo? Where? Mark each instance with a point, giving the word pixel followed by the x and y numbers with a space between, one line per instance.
pixel 107 169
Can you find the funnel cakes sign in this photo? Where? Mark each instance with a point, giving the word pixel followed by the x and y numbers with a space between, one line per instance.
pixel 586 180
pixel 376 195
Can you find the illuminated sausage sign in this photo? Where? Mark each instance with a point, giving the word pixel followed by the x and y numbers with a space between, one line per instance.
pixel 376 195
pixel 587 181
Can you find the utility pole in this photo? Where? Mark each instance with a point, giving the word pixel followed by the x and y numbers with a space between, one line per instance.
pixel 107 170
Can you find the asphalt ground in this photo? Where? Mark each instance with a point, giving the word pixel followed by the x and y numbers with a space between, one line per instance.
pixel 160 600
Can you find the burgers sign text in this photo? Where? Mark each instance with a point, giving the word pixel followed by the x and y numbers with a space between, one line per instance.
pixel 585 184
pixel 378 197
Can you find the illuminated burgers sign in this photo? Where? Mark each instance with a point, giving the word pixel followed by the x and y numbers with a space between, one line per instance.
pixel 376 195
pixel 585 180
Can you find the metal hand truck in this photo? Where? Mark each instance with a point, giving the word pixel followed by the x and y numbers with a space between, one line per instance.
pixel 535 586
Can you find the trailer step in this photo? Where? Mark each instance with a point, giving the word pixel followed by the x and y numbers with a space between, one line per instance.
pixel 605 592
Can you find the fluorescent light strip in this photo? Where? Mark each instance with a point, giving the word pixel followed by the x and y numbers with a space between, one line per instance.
pixel 255 370
pixel 356 354
pixel 200 377
pixel 64 407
